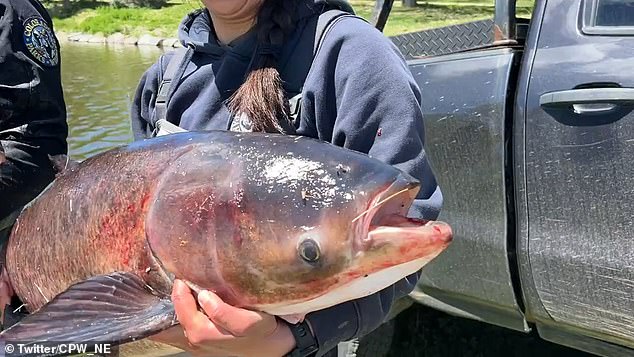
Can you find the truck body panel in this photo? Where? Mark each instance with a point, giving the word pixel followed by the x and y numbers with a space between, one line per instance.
pixel 541 129
pixel 579 174
pixel 465 99
pixel 532 142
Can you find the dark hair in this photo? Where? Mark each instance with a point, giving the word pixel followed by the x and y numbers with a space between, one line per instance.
pixel 262 97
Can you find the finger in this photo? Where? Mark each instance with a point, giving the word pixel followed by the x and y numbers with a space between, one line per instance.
pixel 4 292
pixel 5 278
pixel 5 299
pixel 237 321
pixel 185 307
pixel 198 328
pixel 184 304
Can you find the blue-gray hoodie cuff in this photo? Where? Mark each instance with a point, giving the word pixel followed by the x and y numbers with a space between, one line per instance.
pixel 359 317
pixel 333 325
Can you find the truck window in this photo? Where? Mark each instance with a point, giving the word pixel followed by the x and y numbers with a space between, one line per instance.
pixel 608 17
pixel 615 13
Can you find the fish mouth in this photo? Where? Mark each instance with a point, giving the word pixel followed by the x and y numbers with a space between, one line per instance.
pixel 385 220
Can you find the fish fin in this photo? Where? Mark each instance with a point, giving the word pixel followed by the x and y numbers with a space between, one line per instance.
pixel 115 308
pixel 62 163
pixel 293 318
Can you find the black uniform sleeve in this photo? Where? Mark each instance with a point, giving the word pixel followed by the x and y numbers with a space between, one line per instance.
pixel 32 108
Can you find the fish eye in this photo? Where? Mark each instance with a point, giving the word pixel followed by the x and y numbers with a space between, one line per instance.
pixel 309 250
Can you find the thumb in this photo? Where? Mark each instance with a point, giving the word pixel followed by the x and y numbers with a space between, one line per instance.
pixel 239 322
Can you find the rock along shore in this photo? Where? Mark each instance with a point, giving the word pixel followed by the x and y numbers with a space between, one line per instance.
pixel 119 39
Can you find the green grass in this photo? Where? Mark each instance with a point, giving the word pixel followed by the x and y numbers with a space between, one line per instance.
pixel 130 21
pixel 96 17
pixel 431 14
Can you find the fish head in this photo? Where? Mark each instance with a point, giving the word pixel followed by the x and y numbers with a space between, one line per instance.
pixel 288 226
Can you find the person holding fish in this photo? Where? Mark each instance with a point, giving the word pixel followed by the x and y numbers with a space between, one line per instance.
pixel 303 67
pixel 32 111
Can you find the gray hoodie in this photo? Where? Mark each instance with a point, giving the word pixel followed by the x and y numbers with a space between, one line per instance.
pixel 357 93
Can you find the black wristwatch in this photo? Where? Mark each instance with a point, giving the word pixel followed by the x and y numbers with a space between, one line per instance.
pixel 305 342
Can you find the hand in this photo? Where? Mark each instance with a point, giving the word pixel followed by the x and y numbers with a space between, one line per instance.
pixel 6 293
pixel 222 329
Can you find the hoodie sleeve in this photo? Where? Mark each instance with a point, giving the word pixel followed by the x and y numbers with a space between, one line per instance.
pixel 372 104
pixel 142 107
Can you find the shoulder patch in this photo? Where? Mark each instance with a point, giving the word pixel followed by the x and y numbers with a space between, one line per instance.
pixel 40 41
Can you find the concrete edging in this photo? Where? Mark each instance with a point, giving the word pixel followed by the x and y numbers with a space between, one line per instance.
pixel 119 39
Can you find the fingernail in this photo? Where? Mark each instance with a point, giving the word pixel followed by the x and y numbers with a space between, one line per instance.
pixel 179 288
pixel 205 298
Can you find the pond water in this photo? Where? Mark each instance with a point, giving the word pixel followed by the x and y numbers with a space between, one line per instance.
pixel 99 82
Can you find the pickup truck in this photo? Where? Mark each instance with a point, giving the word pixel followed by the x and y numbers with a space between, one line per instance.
pixel 530 131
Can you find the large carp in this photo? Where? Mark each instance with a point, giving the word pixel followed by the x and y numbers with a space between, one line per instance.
pixel 281 224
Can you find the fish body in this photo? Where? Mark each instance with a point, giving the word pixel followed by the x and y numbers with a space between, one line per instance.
pixel 281 224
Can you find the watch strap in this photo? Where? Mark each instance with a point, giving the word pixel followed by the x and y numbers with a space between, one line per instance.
pixel 305 343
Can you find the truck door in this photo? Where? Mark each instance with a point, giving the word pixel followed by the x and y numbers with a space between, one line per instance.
pixel 576 155
pixel 467 75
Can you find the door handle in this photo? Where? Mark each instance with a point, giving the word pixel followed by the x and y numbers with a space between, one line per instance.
pixel 580 98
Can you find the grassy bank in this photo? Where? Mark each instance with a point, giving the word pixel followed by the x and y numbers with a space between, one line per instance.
pixel 94 16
